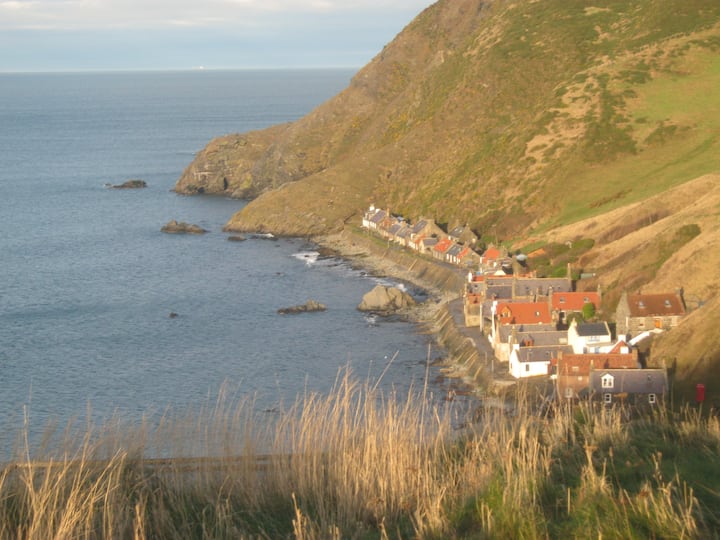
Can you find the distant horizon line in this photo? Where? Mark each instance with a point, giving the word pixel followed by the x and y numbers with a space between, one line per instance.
pixel 198 69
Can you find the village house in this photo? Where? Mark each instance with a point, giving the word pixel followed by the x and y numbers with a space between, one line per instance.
pixel 637 387
pixel 528 287
pixel 542 335
pixel 427 245
pixel 373 218
pixel 588 337
pixel 440 249
pixel 572 371
pixel 490 259
pixel 463 235
pixel 524 316
pixel 563 303
pixel 637 313
pixel 420 231
pixel 534 361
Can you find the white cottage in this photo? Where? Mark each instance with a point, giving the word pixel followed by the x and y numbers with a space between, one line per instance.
pixel 589 337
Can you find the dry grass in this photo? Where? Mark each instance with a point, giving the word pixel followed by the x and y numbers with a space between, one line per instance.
pixel 356 464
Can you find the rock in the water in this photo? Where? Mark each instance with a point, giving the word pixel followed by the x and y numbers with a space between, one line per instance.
pixel 309 306
pixel 236 238
pixel 133 183
pixel 173 226
pixel 386 300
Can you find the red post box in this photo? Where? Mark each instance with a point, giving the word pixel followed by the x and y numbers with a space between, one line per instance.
pixel 699 393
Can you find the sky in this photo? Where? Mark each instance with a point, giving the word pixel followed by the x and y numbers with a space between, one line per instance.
pixel 82 35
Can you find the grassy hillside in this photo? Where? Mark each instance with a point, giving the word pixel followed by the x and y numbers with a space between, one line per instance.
pixel 520 115
pixel 535 122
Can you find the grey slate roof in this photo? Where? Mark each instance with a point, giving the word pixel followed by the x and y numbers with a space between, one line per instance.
pixel 419 226
pixel 541 354
pixel 542 333
pixel 378 217
pixel 593 329
pixel 632 381
pixel 541 286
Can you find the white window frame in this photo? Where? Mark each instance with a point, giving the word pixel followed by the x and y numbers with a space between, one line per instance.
pixel 607 398
pixel 652 399
pixel 607 381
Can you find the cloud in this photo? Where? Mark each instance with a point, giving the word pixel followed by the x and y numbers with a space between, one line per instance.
pixel 66 35
pixel 100 14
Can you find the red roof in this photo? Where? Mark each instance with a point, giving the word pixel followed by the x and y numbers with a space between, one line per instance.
pixel 580 364
pixel 649 305
pixel 443 245
pixel 523 313
pixel 491 254
pixel 574 301
pixel 618 347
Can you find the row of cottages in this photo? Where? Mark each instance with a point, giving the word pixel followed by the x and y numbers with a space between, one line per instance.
pixel 425 237
pixel 483 291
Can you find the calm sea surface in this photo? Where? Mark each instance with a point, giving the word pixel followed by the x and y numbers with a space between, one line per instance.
pixel 88 280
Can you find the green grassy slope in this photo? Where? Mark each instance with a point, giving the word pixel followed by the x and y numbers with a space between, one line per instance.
pixel 530 121
pixel 521 115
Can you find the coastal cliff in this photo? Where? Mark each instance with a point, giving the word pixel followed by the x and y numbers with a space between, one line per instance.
pixel 538 124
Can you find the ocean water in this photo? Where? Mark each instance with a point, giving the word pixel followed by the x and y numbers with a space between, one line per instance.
pixel 88 281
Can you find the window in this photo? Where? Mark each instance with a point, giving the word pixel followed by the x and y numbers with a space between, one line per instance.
pixel 607 398
pixel 607 381
pixel 527 367
pixel 568 392
pixel 651 399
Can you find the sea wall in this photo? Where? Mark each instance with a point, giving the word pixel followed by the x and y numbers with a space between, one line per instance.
pixel 377 254
pixel 468 355
pixel 465 359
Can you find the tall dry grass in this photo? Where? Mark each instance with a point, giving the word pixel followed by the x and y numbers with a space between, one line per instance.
pixel 356 464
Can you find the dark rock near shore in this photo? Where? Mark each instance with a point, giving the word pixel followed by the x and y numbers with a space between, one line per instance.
pixel 180 227
pixel 386 300
pixel 309 306
pixel 133 183
pixel 236 238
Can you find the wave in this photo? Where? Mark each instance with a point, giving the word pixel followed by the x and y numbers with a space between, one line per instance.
pixel 310 257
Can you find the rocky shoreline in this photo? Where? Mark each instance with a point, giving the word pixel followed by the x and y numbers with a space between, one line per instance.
pixel 440 314
pixel 352 247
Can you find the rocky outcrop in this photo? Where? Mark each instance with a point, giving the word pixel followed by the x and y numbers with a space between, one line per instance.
pixel 309 306
pixel 133 183
pixel 386 300
pixel 180 227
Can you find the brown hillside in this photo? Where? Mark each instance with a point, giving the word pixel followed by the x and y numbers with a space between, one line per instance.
pixel 584 122
pixel 638 246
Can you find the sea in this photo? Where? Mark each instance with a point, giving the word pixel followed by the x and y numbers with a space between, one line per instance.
pixel 103 315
